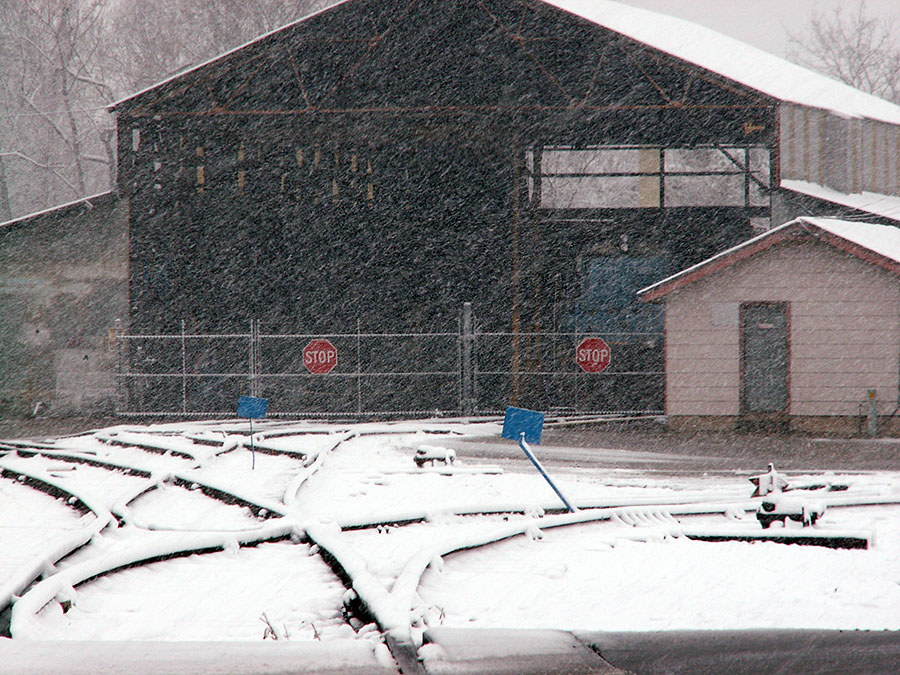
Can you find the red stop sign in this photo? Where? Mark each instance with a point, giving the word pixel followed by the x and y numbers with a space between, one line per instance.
pixel 593 355
pixel 319 356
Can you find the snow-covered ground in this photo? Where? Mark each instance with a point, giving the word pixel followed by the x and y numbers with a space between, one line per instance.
pixel 417 542
pixel 217 596
pixel 583 578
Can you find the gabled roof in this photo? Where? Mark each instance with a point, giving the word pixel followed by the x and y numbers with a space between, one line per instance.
pixel 876 244
pixel 753 68
pixel 434 56
pixel 733 59
pixel 219 57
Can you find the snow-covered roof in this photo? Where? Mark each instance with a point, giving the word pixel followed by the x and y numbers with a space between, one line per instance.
pixel 84 201
pixel 750 66
pixel 877 244
pixel 701 46
pixel 886 206
pixel 881 239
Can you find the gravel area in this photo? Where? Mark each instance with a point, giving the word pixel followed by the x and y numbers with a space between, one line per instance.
pixel 635 445
pixel 740 451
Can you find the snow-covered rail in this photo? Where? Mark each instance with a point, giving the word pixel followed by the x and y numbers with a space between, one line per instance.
pixel 60 583
pixel 337 503
pixel 102 518
pixel 394 609
pixel 290 493
pixel 61 586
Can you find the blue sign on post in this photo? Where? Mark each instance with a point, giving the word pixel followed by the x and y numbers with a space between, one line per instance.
pixel 253 408
pixel 520 420
pixel 525 426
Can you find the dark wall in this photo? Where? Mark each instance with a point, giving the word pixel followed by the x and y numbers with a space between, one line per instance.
pixel 63 283
pixel 397 233
pixel 370 165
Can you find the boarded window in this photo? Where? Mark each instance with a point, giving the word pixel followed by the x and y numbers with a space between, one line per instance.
pixel 596 161
pixel 703 160
pixel 613 192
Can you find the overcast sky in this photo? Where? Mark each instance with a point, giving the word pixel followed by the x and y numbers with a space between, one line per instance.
pixel 762 23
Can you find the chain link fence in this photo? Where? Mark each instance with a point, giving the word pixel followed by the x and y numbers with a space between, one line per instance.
pixel 363 374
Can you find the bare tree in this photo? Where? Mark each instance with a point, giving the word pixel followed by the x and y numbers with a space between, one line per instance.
pixel 853 46
pixel 62 62
pixel 7 117
pixel 154 40
pixel 53 98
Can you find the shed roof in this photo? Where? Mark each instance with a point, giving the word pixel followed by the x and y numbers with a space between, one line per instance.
pixel 83 204
pixel 876 244
pixel 737 61
pixel 759 70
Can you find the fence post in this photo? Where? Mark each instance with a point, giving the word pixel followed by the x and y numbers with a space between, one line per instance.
pixel 577 383
pixel 252 366
pixel 120 368
pixel 872 416
pixel 467 404
pixel 183 372
pixel 358 370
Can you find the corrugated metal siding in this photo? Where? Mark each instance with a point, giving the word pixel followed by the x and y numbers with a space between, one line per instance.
pixel 847 155
pixel 787 142
pixel 803 145
pixel 890 159
pixel 844 333
pixel 869 156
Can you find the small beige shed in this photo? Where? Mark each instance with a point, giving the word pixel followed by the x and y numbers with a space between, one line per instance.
pixel 798 327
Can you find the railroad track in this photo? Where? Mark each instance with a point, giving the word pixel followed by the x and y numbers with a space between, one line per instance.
pixel 188 462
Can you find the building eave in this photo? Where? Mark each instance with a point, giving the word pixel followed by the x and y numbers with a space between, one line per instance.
pixel 813 228
pixel 84 202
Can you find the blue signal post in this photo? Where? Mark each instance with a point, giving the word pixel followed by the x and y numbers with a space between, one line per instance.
pixel 524 426
pixel 252 407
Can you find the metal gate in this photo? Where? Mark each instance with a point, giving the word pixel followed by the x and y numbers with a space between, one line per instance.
pixel 458 371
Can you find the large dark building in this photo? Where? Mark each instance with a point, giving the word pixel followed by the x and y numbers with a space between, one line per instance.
pixel 376 165
pixel 388 160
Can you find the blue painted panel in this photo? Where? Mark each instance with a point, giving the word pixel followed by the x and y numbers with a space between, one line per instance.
pixel 609 302
pixel 518 420
pixel 252 407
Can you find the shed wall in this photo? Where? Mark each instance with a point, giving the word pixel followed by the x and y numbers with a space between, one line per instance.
pixel 63 283
pixel 844 333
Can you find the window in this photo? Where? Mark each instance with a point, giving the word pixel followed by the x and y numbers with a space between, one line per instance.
pixel 201 170
pixel 706 176
pixel 567 178
pixel 647 177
